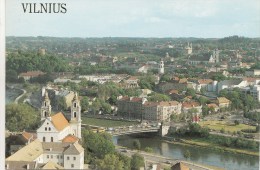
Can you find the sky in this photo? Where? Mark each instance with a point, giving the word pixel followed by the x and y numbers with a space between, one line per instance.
pixel 138 18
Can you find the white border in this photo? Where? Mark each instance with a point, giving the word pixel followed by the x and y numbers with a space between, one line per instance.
pixel 2 84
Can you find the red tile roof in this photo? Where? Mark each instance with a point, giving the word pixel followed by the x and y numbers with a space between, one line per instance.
pixel 70 139
pixel 190 104
pixel 59 121
pixel 205 81
pixel 32 73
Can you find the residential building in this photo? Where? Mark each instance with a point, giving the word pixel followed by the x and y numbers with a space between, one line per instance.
pixel 255 72
pixel 255 92
pixel 131 82
pixel 40 155
pixel 30 74
pixel 230 84
pixel 213 106
pixel 160 111
pixel 189 105
pixel 130 107
pixel 223 102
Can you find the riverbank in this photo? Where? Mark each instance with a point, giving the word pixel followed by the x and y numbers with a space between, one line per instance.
pixel 208 145
pixel 12 93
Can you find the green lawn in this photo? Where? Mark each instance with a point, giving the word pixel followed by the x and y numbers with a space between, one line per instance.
pixel 218 125
pixel 106 122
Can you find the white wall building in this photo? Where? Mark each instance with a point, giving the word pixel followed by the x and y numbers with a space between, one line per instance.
pixel 56 127
pixel 56 146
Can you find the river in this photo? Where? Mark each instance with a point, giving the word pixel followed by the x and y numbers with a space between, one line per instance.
pixel 11 94
pixel 229 161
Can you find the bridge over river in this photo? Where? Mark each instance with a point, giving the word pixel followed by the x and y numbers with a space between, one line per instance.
pixel 117 131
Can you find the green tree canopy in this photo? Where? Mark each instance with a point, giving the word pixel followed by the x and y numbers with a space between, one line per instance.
pixel 137 161
pixel 21 117
pixel 111 162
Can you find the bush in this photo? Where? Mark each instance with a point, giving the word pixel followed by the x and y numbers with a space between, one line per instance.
pixel 236 122
pixel 248 130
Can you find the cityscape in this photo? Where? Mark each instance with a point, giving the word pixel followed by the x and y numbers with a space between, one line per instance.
pixel 132 103
pixel 132 85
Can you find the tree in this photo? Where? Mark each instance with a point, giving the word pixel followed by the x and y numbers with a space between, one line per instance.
pixel 21 117
pixel 222 130
pixel 98 144
pixel 111 162
pixel 137 161
pixel 126 160
pixel 190 92
pixel 186 154
pixel 84 103
pixel 137 144
pixel 11 76
pixel 157 97
pixel 61 103
pixel 148 149
pixel 236 122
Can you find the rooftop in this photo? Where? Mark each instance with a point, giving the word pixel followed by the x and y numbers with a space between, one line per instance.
pixel 59 121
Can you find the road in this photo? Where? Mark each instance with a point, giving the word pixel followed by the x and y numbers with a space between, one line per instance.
pixel 17 99
pixel 153 158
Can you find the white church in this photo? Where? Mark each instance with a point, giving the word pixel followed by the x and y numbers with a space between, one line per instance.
pixel 57 145
pixel 56 128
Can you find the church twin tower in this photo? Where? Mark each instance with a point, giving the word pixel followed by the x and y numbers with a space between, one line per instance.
pixel 56 127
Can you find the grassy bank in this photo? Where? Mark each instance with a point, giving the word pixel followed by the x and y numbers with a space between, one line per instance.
pixel 229 127
pixel 106 122
pixel 201 142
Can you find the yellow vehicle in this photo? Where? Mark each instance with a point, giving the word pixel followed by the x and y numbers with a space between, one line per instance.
pixel 100 130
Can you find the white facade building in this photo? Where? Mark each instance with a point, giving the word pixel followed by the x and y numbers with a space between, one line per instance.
pixel 56 127
pixel 161 67
pixel 56 146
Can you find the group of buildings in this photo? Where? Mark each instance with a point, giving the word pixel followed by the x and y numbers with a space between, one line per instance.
pixel 141 108
pixel 55 144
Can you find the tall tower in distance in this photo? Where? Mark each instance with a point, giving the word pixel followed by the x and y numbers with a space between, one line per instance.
pixel 46 106
pixel 161 67
pixel 216 55
pixel 189 48
pixel 75 118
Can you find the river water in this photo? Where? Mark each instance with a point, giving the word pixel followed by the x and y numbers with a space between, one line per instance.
pixel 229 161
pixel 11 94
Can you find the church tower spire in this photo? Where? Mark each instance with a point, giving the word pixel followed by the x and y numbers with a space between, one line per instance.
pixel 75 117
pixel 161 67
pixel 46 106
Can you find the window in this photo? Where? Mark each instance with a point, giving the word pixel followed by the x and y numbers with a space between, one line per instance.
pixel 51 139
pixel 57 156
pixel 61 156
pixel 72 165
pixel 68 158
pixel 49 129
pixel 75 114
pixel 45 114
pixel 48 156
pixel 45 128
pixel 51 156
pixel 43 139
pixel 45 104
pixel 74 158
pixel 75 104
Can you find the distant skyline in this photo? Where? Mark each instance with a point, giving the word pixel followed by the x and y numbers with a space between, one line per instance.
pixel 138 18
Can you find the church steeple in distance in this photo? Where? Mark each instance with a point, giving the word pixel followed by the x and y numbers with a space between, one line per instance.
pixel 46 106
pixel 76 108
